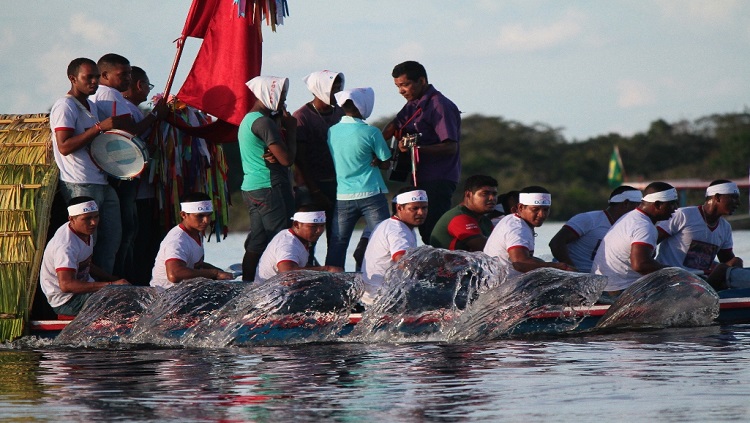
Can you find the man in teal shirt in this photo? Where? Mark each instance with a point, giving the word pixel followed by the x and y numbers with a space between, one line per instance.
pixel 358 151
pixel 267 147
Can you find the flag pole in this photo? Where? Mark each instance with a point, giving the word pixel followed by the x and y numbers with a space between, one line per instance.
pixel 170 80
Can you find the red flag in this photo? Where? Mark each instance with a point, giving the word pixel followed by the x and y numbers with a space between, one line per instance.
pixel 229 56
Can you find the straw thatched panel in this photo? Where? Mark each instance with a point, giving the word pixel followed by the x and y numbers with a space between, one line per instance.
pixel 28 180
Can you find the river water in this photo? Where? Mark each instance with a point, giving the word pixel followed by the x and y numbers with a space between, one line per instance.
pixel 678 374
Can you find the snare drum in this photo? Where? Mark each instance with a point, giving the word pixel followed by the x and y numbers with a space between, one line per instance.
pixel 119 154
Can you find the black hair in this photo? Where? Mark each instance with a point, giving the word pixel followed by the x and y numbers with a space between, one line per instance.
pixel 137 74
pixel 719 181
pixel 413 70
pixel 111 59
pixel 75 65
pixel 195 196
pixel 79 200
pixel 508 200
pixel 474 182
pixel 621 189
pixel 657 187
pixel 350 109
pixel 534 189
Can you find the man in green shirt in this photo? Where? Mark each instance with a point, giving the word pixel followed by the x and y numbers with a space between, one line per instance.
pixel 465 227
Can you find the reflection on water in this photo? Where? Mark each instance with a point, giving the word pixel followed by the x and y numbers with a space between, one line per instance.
pixel 695 374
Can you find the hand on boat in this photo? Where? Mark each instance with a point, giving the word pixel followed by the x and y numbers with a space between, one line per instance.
pixel 224 276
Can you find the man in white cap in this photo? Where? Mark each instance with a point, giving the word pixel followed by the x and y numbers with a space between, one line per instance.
pixel 315 176
pixel 290 249
pixel 694 236
pixel 67 273
pixel 180 255
pixel 391 238
pixel 512 240
pixel 358 150
pixel 267 141
pixel 576 242
pixel 627 251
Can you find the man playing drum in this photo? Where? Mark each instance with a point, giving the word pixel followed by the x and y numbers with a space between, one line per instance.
pixel 74 124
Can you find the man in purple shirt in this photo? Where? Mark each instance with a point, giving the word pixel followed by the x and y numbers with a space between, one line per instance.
pixel 438 122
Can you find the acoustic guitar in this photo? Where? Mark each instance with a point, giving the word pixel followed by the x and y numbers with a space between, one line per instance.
pixel 403 164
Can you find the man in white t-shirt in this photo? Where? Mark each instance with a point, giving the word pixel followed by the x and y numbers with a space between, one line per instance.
pixel 75 124
pixel 576 242
pixel 695 236
pixel 180 254
pixel 290 249
pixel 67 273
pixel 390 240
pixel 627 251
pixel 512 240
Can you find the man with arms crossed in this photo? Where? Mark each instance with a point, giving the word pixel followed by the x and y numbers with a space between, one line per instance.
pixel 627 251
pixel 390 240
pixel 576 242
pixel 466 226
pixel 67 265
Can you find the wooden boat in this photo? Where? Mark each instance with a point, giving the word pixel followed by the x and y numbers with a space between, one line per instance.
pixel 734 308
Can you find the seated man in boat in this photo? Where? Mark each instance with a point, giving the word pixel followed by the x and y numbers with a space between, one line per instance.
pixel 512 240
pixel 627 251
pixel 465 227
pixel 695 236
pixel 390 240
pixel 67 273
pixel 180 255
pixel 290 249
pixel 576 242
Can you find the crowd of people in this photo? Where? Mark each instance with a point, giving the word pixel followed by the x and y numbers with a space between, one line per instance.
pixel 318 170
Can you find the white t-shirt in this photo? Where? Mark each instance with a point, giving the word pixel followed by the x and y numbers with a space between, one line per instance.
pixel 76 167
pixel 110 102
pixel 177 245
pixel 613 256
pixel 390 237
pixel 590 228
pixel 511 232
pixel 65 251
pixel 285 246
pixel 691 243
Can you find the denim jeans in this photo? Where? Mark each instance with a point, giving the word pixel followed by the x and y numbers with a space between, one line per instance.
pixel 347 212
pixel 126 193
pixel 439 195
pixel 108 234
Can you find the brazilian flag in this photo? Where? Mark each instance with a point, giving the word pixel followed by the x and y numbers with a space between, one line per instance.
pixel 616 174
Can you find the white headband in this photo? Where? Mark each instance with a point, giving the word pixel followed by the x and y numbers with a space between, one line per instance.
pixel 725 188
pixel 81 208
pixel 411 197
pixel 664 196
pixel 535 199
pixel 310 217
pixel 633 195
pixel 197 207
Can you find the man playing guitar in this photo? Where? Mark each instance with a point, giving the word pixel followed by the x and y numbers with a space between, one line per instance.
pixel 437 120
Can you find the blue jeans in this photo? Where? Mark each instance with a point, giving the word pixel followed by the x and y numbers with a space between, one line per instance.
pixel 126 193
pixel 108 234
pixel 347 212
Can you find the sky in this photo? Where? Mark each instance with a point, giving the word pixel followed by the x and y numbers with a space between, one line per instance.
pixel 587 67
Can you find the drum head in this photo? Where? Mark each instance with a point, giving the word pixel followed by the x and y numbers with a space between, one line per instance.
pixel 119 154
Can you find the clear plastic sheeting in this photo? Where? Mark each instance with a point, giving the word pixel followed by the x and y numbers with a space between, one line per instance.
pixel 109 315
pixel 542 291
pixel 293 307
pixel 180 308
pixel 670 297
pixel 425 292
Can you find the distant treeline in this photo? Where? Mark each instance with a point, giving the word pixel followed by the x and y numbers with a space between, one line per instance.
pixel 519 155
